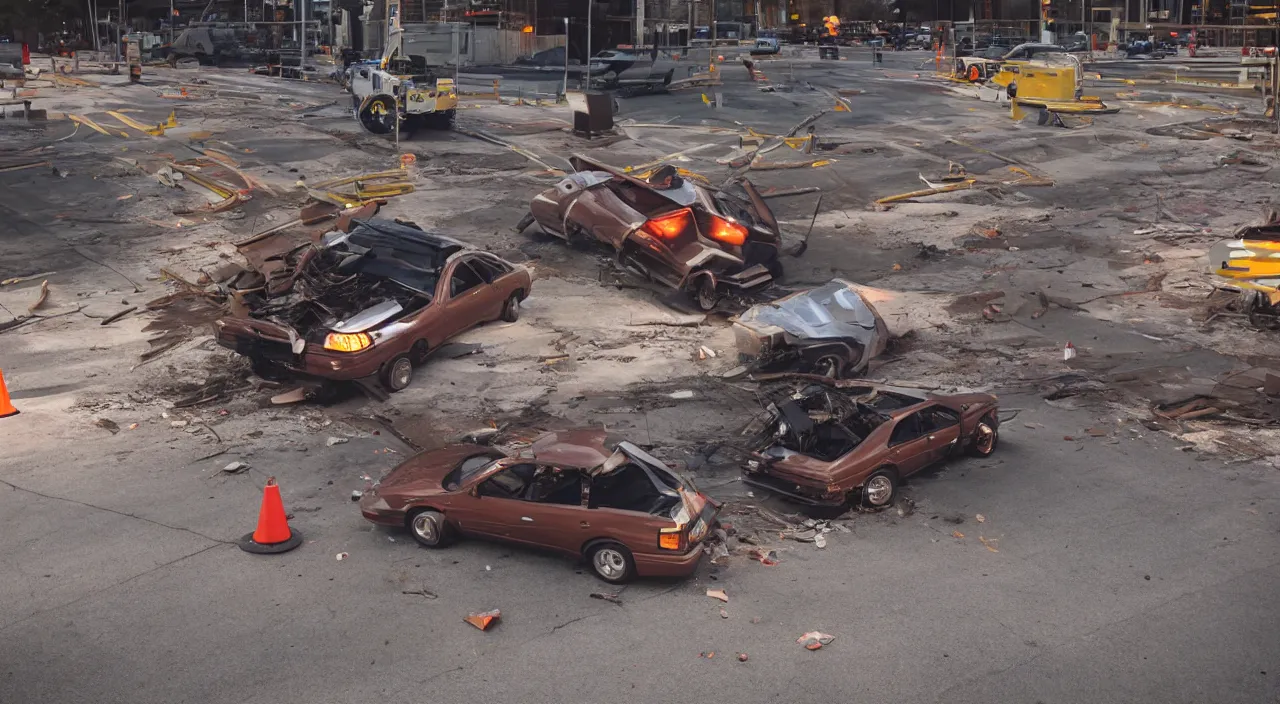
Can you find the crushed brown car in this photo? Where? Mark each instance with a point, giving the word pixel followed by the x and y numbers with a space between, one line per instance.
pixel 832 331
pixel 831 443
pixel 578 492
pixel 667 227
pixel 372 302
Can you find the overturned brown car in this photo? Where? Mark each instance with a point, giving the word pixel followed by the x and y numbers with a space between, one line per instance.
pixel 579 493
pixel 372 302
pixel 665 227
pixel 830 443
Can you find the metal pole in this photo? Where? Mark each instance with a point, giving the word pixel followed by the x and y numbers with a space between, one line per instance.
pixel 589 4
pixel 95 34
pixel 566 56
pixel 302 5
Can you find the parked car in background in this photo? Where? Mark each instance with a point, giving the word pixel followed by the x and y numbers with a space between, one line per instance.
pixel 579 492
pixel 374 302
pixel 831 443
pixel 765 46
pixel 1029 51
pixel 14 59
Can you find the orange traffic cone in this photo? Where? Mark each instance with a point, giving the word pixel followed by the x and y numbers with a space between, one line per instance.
pixel 6 408
pixel 273 534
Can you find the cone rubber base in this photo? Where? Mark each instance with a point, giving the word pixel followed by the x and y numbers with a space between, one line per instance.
pixel 6 415
pixel 246 543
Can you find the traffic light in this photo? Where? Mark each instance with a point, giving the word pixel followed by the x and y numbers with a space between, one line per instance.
pixel 1048 13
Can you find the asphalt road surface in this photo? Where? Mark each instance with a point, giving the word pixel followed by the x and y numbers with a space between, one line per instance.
pixel 1107 566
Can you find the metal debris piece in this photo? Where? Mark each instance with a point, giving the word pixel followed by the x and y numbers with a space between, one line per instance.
pixel 356 494
pixel 483 619
pixel 422 592
pixel 990 543
pixel 295 396
pixel 813 640
pixel 107 424
pixel 116 316
pixel 607 596
pixel 236 468
pixel 44 295
pixel 742 657
pixel 957 534
pixel 718 594
pixel 724 614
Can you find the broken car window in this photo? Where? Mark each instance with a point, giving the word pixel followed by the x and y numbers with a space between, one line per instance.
pixel 510 483
pixel 469 468
pixel 630 489
pixel 937 418
pixel 553 485
pixel 464 279
pixel 908 429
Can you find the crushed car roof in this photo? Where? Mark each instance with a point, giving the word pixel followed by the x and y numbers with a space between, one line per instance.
pixel 835 310
pixel 401 253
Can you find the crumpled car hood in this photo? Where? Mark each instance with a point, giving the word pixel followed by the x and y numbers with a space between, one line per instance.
pixel 833 311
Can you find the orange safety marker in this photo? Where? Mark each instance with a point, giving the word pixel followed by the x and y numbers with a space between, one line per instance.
pixel 6 408
pixel 483 619
pixel 273 534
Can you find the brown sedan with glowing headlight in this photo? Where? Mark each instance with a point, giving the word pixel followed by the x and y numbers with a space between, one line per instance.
pixel 372 302
pixel 578 492
pixel 666 227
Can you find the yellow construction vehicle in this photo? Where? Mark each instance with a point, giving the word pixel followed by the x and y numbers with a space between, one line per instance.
pixel 1251 262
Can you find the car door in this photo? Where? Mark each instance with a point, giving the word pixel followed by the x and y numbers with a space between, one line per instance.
pixel 465 299
pixel 942 427
pixel 555 515
pixel 498 502
pixel 909 445
pixel 492 270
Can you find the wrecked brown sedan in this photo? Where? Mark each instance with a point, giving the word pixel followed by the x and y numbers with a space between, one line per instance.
pixel 372 302
pixel 667 228
pixel 576 492
pixel 828 443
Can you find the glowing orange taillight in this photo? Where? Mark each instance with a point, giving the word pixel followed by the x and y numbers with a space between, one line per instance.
pixel 669 226
pixel 727 232
pixel 669 538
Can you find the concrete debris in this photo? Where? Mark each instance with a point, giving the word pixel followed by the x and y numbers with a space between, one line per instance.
pixel 335 441
pixel 820 540
pixel 814 640
pixel 356 494
pixel 718 594
pixel 236 468
pixel 107 424
pixel 341 556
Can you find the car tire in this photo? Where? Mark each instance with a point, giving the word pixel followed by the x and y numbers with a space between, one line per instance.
pixel 985 437
pixel 511 309
pixel 829 366
pixel 611 562
pixel 429 528
pixel 705 294
pixel 873 493
pixel 397 374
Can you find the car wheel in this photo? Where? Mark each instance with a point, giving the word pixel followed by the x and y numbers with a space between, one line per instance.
pixel 398 373
pixel 429 528
pixel 985 437
pixel 511 309
pixel 611 562
pixel 829 366
pixel 880 489
pixel 705 294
